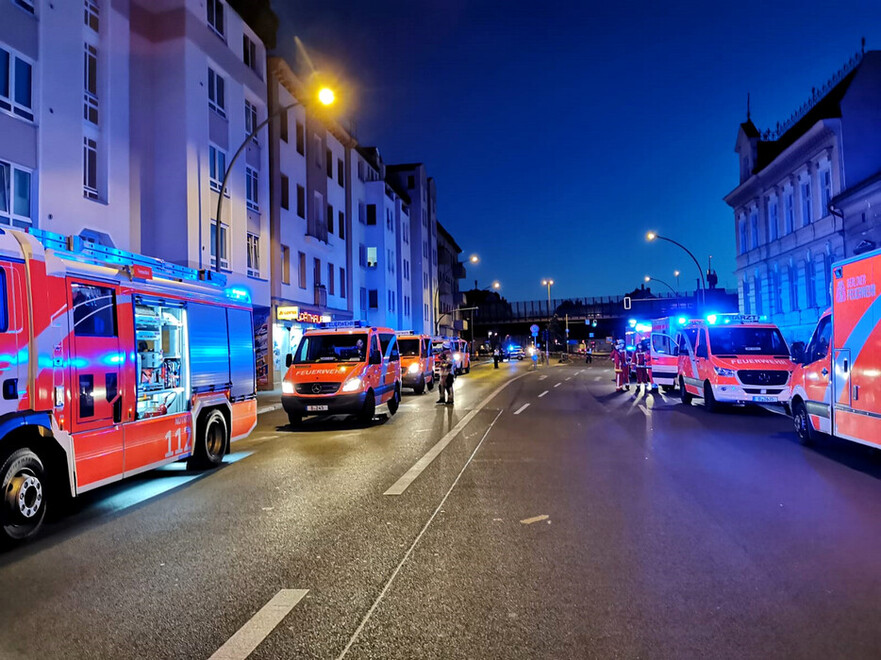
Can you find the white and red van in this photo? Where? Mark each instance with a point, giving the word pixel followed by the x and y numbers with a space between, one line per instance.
pixel 837 387
pixel 733 358
pixel 417 361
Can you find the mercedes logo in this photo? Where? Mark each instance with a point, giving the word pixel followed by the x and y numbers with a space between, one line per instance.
pixel 316 389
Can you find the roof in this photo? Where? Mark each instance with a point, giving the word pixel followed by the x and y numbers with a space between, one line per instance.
pixel 404 166
pixel 750 129
pixel 441 231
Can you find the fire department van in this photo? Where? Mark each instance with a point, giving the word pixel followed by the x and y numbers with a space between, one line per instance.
pixel 343 368
pixel 417 361
pixel 732 358
pixel 837 386
pixel 461 356
pixel 665 363
pixel 111 364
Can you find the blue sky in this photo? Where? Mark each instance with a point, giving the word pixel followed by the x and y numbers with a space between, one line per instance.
pixel 558 137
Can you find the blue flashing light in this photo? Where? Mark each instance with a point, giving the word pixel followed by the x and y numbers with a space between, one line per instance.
pixel 711 319
pixel 643 327
pixel 632 323
pixel 342 324
pixel 681 320
pixel 238 293
pixel 510 347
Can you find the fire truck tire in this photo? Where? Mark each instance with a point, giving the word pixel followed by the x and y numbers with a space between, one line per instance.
pixel 684 396
pixel 803 428
pixel 395 401
pixel 212 439
pixel 420 388
pixel 710 402
pixel 23 480
pixel 369 409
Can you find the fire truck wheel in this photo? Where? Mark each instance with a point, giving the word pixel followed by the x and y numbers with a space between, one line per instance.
pixel 710 402
pixel 803 428
pixel 369 409
pixel 212 435
pixel 420 388
pixel 395 401
pixel 23 480
pixel 683 393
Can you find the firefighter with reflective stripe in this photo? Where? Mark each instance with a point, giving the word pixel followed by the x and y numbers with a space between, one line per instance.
pixel 447 376
pixel 622 369
pixel 643 360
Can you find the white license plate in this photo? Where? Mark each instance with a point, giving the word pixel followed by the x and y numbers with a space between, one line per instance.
pixel 316 408
pixel 765 399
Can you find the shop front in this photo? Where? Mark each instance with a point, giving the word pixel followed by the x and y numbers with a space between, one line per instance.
pixel 289 324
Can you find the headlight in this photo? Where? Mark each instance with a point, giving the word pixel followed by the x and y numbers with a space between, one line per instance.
pixel 352 385
pixel 287 387
pixel 721 371
pixel 414 368
pixel 457 357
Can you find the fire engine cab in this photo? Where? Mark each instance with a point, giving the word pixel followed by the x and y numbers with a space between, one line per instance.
pixel 343 368
pixel 111 364
pixel 837 386
pixel 732 358
pixel 417 361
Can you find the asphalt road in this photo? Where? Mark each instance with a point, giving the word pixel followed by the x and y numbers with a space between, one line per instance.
pixel 557 520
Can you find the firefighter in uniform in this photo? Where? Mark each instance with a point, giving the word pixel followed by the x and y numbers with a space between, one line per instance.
pixel 446 379
pixel 643 360
pixel 622 370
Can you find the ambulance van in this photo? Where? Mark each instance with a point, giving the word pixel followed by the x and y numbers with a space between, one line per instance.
pixel 837 385
pixel 665 363
pixel 343 368
pixel 417 361
pixel 733 358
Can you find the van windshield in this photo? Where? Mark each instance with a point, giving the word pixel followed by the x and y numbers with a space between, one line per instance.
pixel 747 341
pixel 331 348
pixel 409 347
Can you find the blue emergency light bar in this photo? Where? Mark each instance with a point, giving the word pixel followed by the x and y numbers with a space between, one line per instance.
pixel 331 325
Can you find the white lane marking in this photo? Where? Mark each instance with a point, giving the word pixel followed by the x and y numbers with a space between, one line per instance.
pixel 578 372
pixel 597 377
pixel 258 627
pixel 558 384
pixel 521 409
pixel 542 394
pixel 542 377
pixel 415 541
pixel 410 475
pixel 569 378
pixel 534 519
pixel 270 408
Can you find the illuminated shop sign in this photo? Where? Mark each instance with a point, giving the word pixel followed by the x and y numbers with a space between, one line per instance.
pixel 294 313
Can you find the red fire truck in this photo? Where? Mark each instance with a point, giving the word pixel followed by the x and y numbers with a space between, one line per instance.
pixel 836 386
pixel 111 364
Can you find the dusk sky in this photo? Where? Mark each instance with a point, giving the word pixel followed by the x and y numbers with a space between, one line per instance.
pixel 559 137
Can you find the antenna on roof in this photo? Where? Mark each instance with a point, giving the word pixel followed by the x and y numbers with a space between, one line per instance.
pixel 747 106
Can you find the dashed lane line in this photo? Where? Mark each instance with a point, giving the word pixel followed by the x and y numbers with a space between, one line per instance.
pixel 557 384
pixel 542 377
pixel 569 378
pixel 521 409
pixel 543 393
pixel 258 627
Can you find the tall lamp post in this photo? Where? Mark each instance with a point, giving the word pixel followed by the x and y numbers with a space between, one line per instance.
pixel 326 97
pixel 649 278
pixel 548 283
pixel 651 236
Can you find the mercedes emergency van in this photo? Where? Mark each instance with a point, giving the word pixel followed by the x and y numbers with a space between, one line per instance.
pixel 343 369
pixel 732 358
pixel 417 361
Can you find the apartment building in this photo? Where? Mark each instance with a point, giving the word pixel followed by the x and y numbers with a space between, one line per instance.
pixel 788 225
pixel 450 270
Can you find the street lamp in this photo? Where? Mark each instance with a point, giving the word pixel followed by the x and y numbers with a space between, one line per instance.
pixel 651 236
pixel 474 259
pixel 649 278
pixel 326 97
pixel 676 275
pixel 548 283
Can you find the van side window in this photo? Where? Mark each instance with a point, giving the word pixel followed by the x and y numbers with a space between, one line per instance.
pixel 819 346
pixel 94 310
pixel 395 356
pixel 702 346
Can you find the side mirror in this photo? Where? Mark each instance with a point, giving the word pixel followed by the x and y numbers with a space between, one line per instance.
pixel 375 357
pixel 288 360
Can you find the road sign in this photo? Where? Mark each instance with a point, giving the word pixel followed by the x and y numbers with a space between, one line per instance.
pixel 627 302
pixel 534 330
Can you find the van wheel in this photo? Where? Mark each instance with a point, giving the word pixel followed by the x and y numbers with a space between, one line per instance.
pixel 420 388
pixel 668 388
pixel 369 409
pixel 23 480
pixel 212 437
pixel 710 402
pixel 684 395
pixel 802 421
pixel 395 401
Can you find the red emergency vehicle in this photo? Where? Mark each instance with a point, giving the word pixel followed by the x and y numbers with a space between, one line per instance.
pixel 343 368
pixel 417 361
pixel 111 364
pixel 732 358
pixel 665 363
pixel 837 388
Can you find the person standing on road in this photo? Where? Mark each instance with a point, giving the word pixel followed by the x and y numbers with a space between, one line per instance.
pixel 642 364
pixel 622 373
pixel 588 356
pixel 446 379
pixel 496 357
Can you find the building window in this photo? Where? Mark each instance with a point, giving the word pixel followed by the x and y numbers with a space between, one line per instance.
pixel 754 228
pixel 411 182
pixel 285 264
pixel 425 281
pixel 405 231
pixel 425 249
pixel 92 14
pixel 251 188
pixel 362 297
pixel 224 245
pixel 827 277
pixel 746 305
pixel 301 268
pixel 90 168
pixel 253 255
pixel 216 98
pixel 330 219
pixel 316 271
pixel 810 282
pixel 285 185
pixel 773 220
pixel 301 139
pixel 283 126
pixel 250 119
pixel 27 5
pixel 391 261
pixel 391 301
pixel 328 162
pixel 340 175
pixel 406 269
pixel 90 84
pixel 249 54
pixel 215 16
pixel 371 214
pixel 374 299
pixel 757 291
pixel 826 178
pixel 301 201
pixel 330 279
pixel 216 168
pixel 15 195
pixel 792 274
pixel 341 224
pixel 16 77
pixel 425 311
pixel 342 282
pixel 806 214
pixel 788 212
pixel 372 257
